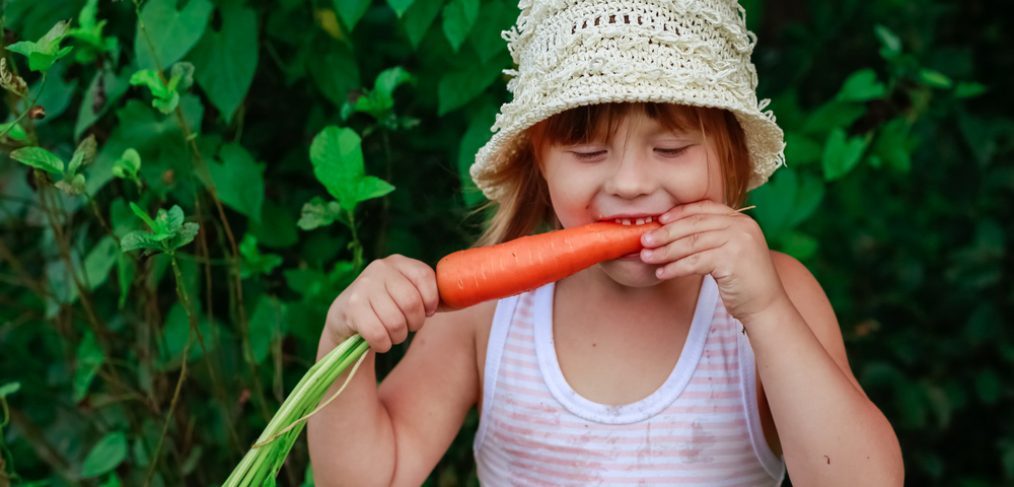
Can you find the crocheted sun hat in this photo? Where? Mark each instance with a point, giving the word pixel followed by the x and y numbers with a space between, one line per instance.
pixel 571 53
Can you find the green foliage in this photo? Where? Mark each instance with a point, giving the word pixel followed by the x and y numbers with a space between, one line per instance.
pixel 303 139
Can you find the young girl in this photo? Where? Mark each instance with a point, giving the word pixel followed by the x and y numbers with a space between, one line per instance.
pixel 706 359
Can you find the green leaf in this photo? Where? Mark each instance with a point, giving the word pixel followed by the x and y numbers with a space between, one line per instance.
pixel 175 334
pixel 797 244
pixel 138 239
pixel 835 114
pixel 476 135
pixel 43 53
pixel 227 59
pixel 862 86
pixel 163 98
pixel 808 196
pixel 100 261
pixel 969 89
pixel 127 166
pixel 103 92
pixel 254 262
pixel 319 213
pixel 495 17
pixel 372 187
pixel 892 144
pixel 89 360
pixel 9 388
pixel 39 158
pixel 125 271
pixel 266 326
pixel 801 149
pixel 13 131
pixel 335 72
pixel 106 455
pixel 239 180
pixel 841 154
pixel 888 39
pixel 418 19
pixel 400 6
pixel 89 33
pixel 140 213
pixel 172 32
pixel 379 101
pixel 338 164
pixel 459 17
pixel 775 202
pixel 934 79
pixel 351 11
pixel 83 154
pixel 457 88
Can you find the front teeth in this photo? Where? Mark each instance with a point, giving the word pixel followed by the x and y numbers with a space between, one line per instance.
pixel 639 221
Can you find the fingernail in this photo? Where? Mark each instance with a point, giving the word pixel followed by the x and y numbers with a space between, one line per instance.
pixel 647 254
pixel 647 238
pixel 660 272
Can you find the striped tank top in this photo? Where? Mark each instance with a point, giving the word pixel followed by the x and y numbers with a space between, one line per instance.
pixel 700 428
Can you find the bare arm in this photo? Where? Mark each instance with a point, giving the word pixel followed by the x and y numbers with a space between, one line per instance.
pixel 830 432
pixel 395 435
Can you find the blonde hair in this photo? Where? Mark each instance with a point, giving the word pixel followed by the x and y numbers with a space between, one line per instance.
pixel 526 207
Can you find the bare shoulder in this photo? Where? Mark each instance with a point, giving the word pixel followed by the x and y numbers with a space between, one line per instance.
pixel 809 299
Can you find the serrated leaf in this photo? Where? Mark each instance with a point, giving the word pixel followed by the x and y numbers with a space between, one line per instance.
pixel 138 239
pixel 184 235
pixel 318 213
pixel 39 158
pixel 89 360
pixel 862 86
pixel 351 11
pixel 172 32
pixel 105 456
pixel 227 59
pixel 459 18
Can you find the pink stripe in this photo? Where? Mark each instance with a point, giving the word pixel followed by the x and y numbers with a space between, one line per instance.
pixel 605 440
pixel 565 422
pixel 526 365
pixel 518 349
pixel 675 408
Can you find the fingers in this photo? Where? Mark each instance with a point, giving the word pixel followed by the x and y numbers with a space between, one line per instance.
pixel 391 297
pixel 684 247
pixel 686 227
pixel 699 263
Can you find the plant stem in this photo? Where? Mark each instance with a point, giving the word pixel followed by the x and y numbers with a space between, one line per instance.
pixel 181 293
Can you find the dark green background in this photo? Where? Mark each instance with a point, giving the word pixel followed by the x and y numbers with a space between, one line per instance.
pixel 897 195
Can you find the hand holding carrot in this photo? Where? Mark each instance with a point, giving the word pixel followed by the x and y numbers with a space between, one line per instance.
pixel 390 298
pixel 710 238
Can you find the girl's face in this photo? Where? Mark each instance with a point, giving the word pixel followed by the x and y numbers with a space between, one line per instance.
pixel 639 172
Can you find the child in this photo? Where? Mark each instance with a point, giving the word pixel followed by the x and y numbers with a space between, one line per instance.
pixel 705 359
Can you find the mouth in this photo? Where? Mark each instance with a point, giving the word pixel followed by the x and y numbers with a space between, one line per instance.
pixel 631 219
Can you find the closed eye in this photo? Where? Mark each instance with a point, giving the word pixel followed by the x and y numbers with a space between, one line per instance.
pixel 588 155
pixel 672 152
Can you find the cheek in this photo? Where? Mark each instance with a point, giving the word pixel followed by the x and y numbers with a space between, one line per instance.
pixel 701 179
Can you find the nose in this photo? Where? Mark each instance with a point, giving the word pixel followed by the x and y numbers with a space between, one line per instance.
pixel 631 177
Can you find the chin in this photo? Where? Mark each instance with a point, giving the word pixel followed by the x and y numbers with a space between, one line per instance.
pixel 630 274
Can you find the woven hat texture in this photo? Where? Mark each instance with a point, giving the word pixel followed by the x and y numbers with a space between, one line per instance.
pixel 571 53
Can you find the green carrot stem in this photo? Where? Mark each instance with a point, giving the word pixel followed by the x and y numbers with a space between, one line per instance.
pixel 268 454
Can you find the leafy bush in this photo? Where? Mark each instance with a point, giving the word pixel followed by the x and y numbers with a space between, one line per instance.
pixel 188 184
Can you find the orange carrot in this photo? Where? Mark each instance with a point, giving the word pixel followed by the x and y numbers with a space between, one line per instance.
pixel 474 275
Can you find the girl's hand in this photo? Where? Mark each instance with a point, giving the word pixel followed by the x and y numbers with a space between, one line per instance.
pixel 390 298
pixel 710 238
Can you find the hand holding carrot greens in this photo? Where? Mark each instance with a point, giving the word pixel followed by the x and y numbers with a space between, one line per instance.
pixel 710 238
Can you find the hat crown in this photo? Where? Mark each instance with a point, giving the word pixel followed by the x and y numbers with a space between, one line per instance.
pixel 570 53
